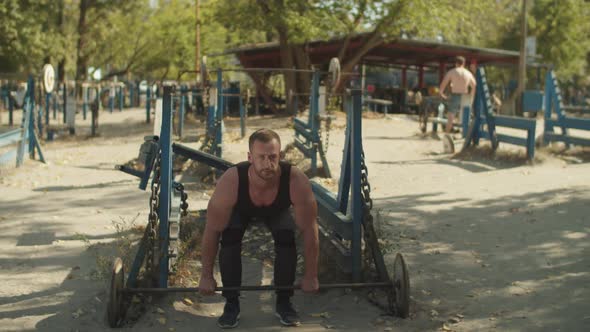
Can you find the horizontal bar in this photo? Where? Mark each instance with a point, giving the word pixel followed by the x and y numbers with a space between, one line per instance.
pixel 129 170
pixel 511 139
pixel 301 123
pixel 379 101
pixel 303 132
pixel 334 221
pixel 10 133
pixel 201 156
pixel 572 108
pixel 444 121
pixel 10 137
pixel 256 288
pixel 327 196
pixel 308 152
pixel 553 137
pixel 514 122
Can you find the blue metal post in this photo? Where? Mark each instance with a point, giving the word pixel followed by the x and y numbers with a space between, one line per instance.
pixel 111 101
pixel 131 95
pixel 165 183
pixel 40 119
pixel 10 111
pixel 344 182
pixel 85 97
pixel 181 111
pixel 356 208
pixel 313 120
pixel 55 104
pixel 242 118
pixel 121 97
pixel 148 93
pixel 30 110
pixel 47 102
pixel 65 101
pixel 219 114
pixel 465 120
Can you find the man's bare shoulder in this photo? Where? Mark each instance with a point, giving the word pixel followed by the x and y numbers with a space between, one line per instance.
pixel 226 188
pixel 300 186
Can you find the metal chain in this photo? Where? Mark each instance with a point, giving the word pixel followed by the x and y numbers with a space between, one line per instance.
pixel 365 185
pixel 153 218
pixel 370 264
pixel 183 197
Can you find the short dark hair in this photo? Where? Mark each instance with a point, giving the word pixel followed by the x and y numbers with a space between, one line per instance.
pixel 263 135
pixel 459 60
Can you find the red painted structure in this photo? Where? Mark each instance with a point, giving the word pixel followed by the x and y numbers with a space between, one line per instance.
pixel 404 54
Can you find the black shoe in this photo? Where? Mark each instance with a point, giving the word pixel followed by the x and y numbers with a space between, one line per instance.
pixel 287 315
pixel 230 317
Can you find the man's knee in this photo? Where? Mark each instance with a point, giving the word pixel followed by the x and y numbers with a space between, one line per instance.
pixel 284 238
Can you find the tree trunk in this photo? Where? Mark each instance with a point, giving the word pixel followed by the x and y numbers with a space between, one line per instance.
pixel 82 58
pixel 287 61
pixel 61 65
pixel 348 63
pixel 261 81
pixel 302 62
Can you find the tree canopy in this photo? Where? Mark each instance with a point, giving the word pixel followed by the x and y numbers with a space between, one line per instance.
pixel 156 39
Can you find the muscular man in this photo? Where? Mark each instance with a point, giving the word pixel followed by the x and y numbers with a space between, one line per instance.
pixel 268 190
pixel 460 79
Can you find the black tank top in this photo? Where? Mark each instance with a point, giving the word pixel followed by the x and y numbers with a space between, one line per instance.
pixel 282 202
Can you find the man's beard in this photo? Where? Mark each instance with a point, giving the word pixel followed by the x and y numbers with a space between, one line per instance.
pixel 266 174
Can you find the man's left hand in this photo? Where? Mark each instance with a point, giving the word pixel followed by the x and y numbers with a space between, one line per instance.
pixel 310 284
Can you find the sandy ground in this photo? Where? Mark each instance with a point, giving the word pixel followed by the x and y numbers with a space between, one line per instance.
pixel 492 242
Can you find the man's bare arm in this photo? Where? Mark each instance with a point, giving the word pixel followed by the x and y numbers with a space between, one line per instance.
pixel 306 212
pixel 443 86
pixel 219 212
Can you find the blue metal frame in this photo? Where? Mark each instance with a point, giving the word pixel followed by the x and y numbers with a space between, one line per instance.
pixel 333 209
pixel 307 137
pixel 121 98
pixel 483 112
pixel 148 94
pixel 25 134
pixel 553 102
pixel 65 101
pixel 217 146
pixel 165 182
pixel 183 90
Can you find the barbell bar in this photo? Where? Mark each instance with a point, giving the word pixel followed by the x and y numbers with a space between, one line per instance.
pixel 397 290
pixel 256 288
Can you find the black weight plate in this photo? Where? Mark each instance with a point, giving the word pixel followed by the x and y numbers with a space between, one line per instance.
pixel 401 287
pixel 115 306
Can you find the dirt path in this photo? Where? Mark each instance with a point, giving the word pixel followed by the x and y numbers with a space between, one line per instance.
pixel 492 243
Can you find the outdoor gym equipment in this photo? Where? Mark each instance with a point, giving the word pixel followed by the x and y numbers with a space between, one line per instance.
pixel 553 102
pixel 158 247
pixel 484 122
pixel 396 290
pixel 26 133
pixel 436 105
pixel 308 138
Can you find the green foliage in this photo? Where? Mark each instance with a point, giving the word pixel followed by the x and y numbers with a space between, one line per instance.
pixel 562 29
pixel 132 37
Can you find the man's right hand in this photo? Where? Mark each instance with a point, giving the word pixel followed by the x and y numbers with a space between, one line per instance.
pixel 207 285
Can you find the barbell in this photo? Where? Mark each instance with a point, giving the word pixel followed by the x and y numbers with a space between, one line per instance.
pixel 397 290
